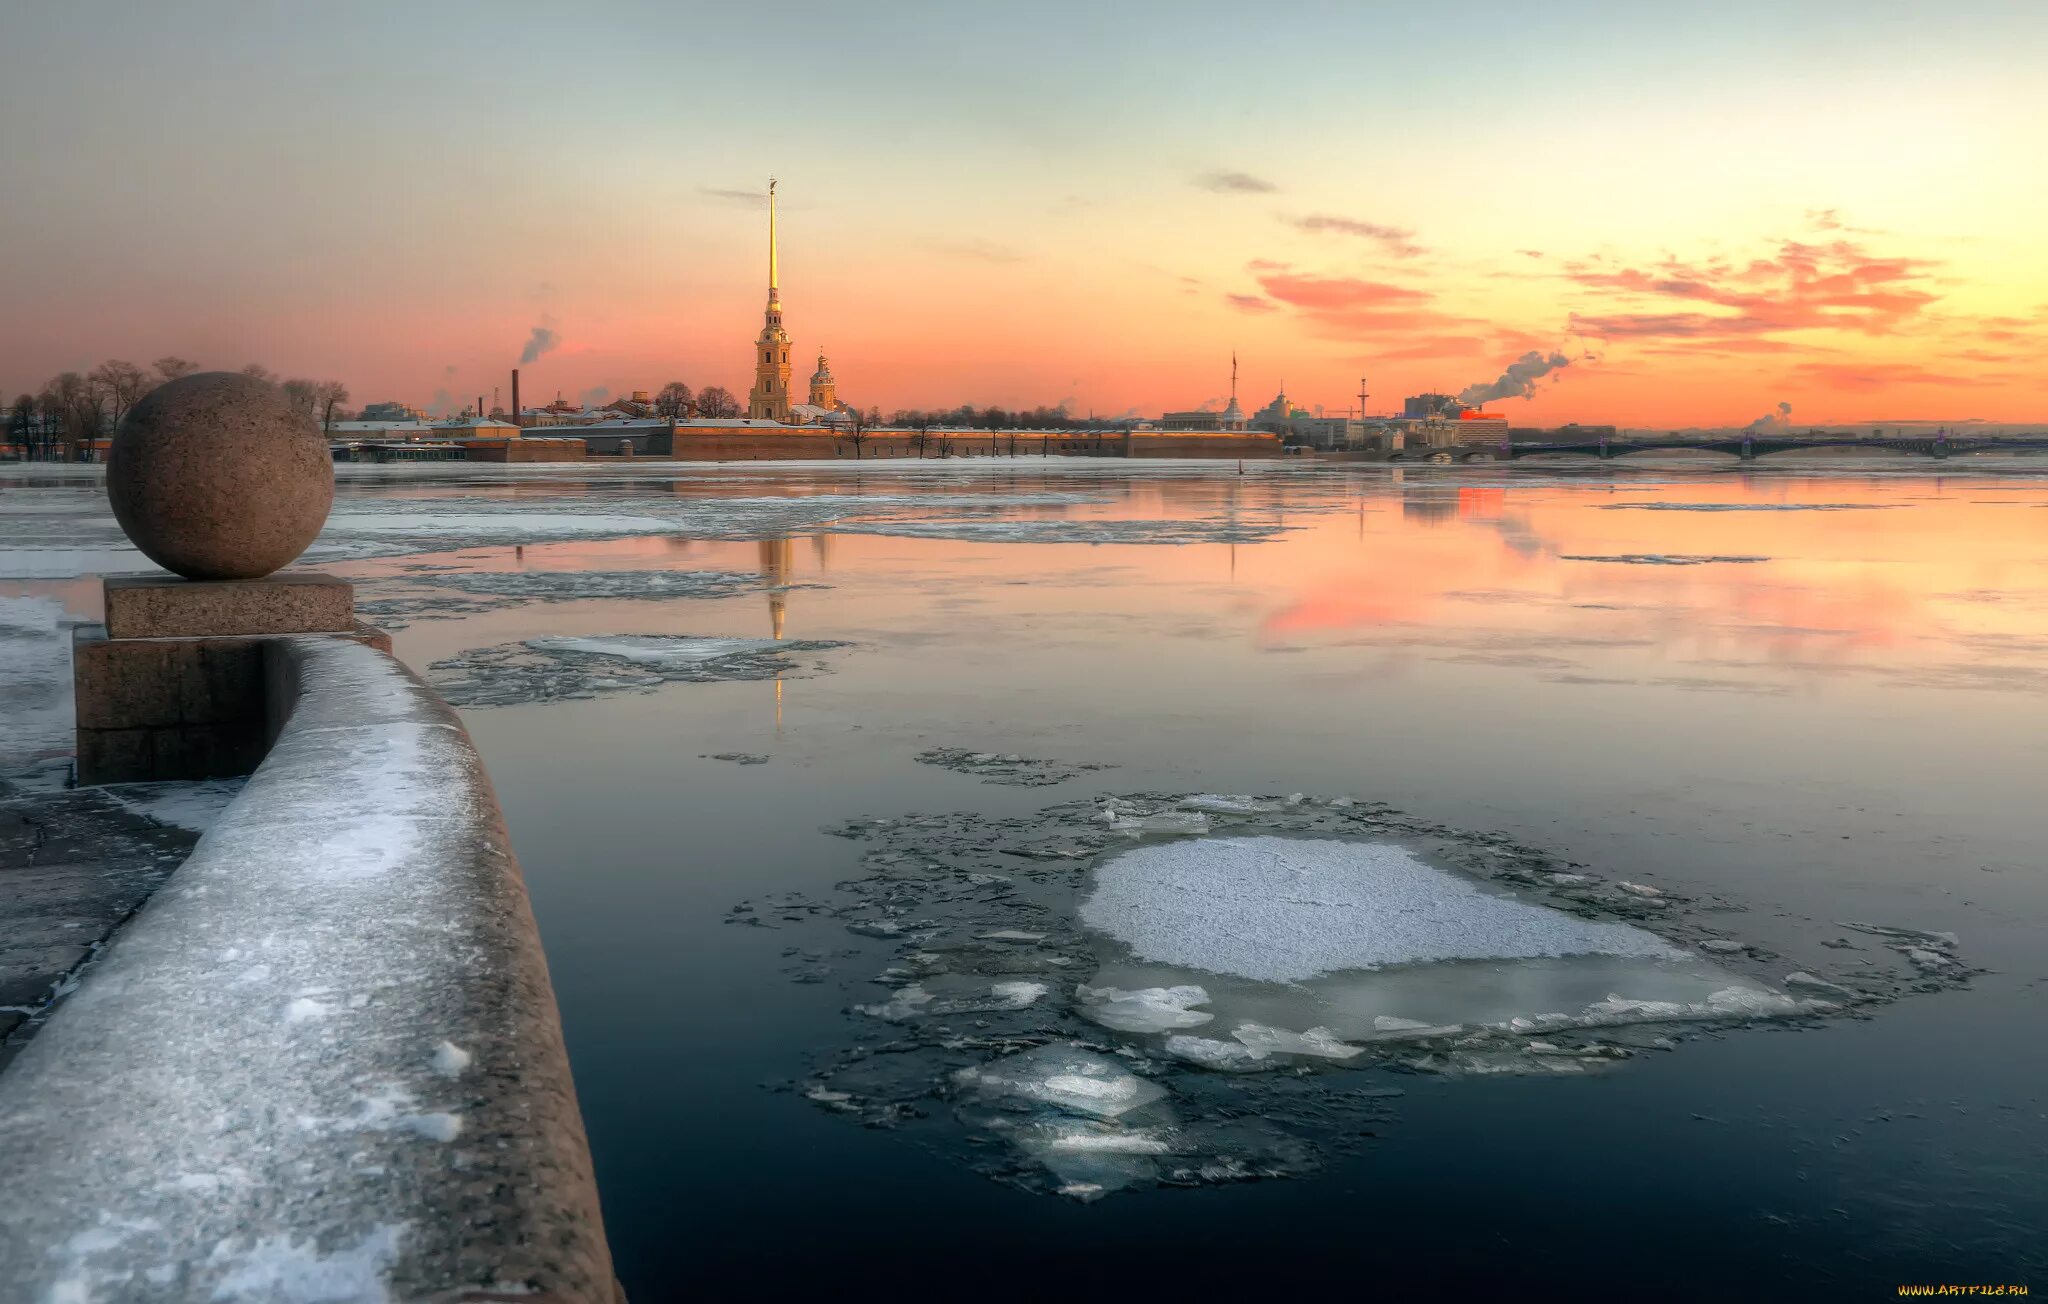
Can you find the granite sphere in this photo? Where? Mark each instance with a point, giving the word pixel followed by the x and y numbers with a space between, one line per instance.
pixel 214 476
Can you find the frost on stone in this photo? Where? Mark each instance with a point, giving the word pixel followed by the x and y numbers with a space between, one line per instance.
pixel 290 1269
pixel 1011 770
pixel 1329 944
pixel 550 669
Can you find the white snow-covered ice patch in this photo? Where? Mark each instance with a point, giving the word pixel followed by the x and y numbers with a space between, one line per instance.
pixel 1288 909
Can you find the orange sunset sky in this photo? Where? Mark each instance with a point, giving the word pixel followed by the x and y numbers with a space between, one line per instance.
pixel 1838 206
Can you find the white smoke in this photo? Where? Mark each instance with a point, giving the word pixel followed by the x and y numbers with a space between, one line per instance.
pixel 538 343
pixel 1771 423
pixel 1518 381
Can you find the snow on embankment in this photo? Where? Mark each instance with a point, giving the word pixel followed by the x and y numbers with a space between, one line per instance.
pixel 324 1061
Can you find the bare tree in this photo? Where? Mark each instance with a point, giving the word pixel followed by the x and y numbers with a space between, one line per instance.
pixel 21 424
pixel 172 366
pixel 920 432
pixel 855 430
pixel 328 396
pixel 70 405
pixel 257 371
pixel 717 402
pixel 674 401
pixel 120 385
pixel 303 396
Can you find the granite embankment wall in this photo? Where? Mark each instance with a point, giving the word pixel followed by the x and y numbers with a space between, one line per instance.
pixel 324 1061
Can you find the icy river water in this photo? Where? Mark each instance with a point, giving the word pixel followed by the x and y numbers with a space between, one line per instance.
pixel 1043 879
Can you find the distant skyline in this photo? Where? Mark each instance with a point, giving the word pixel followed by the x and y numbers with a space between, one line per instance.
pixel 1705 214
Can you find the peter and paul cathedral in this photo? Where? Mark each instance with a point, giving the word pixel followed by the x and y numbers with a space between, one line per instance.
pixel 769 400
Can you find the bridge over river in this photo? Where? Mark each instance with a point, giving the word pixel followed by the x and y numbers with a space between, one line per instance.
pixel 1749 447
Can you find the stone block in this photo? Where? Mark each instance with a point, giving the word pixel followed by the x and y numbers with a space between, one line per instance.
pixel 114 756
pixel 165 606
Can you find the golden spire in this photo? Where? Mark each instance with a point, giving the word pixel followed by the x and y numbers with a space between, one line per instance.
pixel 771 238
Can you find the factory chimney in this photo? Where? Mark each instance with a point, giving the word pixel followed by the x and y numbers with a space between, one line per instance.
pixel 515 398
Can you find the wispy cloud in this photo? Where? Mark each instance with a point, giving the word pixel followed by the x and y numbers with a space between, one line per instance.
pixel 1869 376
pixel 1250 303
pixel 758 198
pixel 980 251
pixel 1234 183
pixel 1395 240
pixel 1839 285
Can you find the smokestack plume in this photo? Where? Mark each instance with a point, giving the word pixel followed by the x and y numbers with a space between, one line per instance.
pixel 1518 381
pixel 1771 423
pixel 538 343
pixel 515 398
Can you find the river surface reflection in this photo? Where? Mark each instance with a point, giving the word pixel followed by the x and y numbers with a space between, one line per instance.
pixel 1802 694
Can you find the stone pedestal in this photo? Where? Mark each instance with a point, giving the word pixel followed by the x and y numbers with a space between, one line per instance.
pixel 164 606
pixel 172 687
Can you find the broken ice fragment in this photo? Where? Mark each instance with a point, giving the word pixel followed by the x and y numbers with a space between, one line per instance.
pixel 1226 1056
pixel 1319 1042
pixel 1821 985
pixel 1148 1009
pixel 1064 1077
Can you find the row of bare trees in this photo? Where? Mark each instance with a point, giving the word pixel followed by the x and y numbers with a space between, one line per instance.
pixel 676 402
pixel 969 417
pixel 74 408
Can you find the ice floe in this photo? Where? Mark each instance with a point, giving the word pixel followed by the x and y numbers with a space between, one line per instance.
pixel 1073 531
pixel 1746 507
pixel 1660 558
pixel 548 669
pixel 1008 769
pixel 1272 1042
pixel 395 602
pixel 1285 909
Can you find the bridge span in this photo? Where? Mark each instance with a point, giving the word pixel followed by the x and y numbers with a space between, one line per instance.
pixel 1749 447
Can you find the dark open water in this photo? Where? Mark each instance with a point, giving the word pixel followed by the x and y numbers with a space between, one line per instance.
pixel 1854 727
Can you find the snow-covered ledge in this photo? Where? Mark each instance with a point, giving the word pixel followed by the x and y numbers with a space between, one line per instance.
pixel 324 1061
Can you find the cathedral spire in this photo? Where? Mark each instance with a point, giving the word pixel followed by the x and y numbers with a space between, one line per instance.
pixel 769 400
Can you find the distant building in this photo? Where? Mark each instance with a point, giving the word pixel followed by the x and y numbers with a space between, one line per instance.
pixel 1422 407
pixel 392 411
pixel 1231 418
pixel 1476 429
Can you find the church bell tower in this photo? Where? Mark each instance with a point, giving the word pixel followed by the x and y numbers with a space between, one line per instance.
pixel 769 400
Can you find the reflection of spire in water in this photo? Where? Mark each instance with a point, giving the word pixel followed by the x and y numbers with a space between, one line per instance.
pixel 820 549
pixel 1230 508
pixel 776 555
